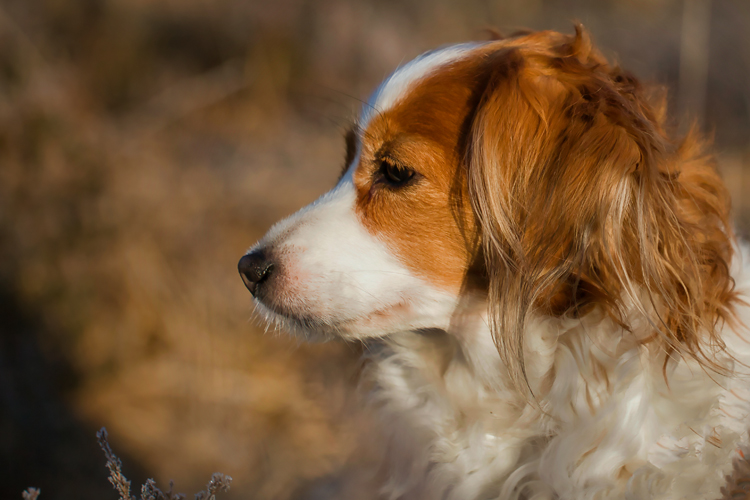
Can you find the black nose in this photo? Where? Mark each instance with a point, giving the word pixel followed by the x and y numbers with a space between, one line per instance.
pixel 255 268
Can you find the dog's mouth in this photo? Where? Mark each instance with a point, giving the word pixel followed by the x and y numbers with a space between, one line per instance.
pixel 307 326
pixel 314 327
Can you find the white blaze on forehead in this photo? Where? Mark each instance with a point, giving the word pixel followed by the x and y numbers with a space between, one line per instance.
pixel 395 87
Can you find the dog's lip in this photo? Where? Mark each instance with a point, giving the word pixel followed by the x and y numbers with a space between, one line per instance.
pixel 325 325
pixel 273 308
pixel 284 313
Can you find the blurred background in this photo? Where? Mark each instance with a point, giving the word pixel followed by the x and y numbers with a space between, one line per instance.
pixel 145 144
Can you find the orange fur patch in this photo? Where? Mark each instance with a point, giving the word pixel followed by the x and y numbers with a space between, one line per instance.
pixel 429 224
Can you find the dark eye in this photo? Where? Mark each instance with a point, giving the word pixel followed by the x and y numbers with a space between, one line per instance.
pixel 395 175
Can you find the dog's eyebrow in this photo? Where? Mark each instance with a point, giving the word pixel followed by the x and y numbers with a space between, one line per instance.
pixel 350 138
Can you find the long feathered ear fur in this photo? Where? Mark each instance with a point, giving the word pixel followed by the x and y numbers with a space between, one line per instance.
pixel 584 201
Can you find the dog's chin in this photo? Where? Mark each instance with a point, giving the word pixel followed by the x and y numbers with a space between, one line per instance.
pixel 311 328
pixel 305 327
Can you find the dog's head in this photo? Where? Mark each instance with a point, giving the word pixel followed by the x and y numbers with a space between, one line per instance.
pixel 525 172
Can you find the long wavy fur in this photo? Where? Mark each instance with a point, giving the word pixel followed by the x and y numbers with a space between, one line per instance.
pixel 584 200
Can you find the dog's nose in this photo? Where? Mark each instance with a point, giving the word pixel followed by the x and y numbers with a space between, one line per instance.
pixel 255 268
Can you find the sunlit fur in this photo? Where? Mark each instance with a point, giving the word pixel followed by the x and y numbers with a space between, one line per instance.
pixel 551 300
pixel 601 206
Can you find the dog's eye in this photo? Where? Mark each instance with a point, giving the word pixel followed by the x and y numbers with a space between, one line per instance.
pixel 395 175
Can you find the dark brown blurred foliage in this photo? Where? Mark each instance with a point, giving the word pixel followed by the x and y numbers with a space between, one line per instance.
pixel 145 144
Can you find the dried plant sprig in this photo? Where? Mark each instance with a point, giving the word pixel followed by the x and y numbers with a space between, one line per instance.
pixel 31 494
pixel 171 495
pixel 218 482
pixel 116 477
pixel 149 491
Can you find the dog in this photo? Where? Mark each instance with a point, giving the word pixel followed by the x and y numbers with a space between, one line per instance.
pixel 546 281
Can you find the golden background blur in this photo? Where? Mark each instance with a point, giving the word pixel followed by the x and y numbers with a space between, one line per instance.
pixel 145 144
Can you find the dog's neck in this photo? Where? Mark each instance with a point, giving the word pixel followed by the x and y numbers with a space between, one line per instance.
pixel 600 396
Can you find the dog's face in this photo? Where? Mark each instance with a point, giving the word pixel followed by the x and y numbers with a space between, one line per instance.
pixel 529 161
pixel 389 247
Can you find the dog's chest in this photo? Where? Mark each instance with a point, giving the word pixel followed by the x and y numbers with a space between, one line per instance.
pixel 608 423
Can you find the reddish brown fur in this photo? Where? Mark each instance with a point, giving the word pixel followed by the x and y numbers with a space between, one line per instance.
pixel 426 224
pixel 560 166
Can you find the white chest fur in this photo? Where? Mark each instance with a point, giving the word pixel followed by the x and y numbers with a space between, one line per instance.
pixel 606 422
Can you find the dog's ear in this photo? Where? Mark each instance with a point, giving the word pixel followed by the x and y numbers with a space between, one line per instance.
pixel 583 201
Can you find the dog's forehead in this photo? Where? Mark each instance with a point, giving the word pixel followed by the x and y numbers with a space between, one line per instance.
pixel 397 85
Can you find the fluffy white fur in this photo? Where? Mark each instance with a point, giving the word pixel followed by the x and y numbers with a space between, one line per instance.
pixel 460 430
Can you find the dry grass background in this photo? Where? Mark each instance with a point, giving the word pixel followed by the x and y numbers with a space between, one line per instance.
pixel 145 144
